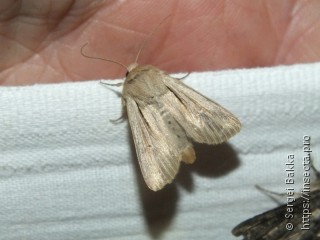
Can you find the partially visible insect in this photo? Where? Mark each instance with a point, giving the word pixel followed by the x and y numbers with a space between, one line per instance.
pixel 273 225
pixel 165 115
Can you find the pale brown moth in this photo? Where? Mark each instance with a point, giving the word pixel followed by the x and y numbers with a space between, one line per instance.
pixel 271 225
pixel 165 115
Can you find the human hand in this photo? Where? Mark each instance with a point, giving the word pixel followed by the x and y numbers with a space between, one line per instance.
pixel 41 40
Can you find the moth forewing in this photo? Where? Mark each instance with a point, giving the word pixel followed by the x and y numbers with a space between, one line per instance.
pixel 203 120
pixel 164 116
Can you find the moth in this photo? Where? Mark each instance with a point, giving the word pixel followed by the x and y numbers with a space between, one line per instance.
pixel 165 116
pixel 273 225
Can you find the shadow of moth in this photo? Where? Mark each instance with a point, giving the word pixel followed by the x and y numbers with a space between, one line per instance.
pixel 165 115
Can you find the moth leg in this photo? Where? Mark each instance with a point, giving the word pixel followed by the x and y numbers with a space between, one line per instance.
pixel 115 85
pixel 119 119
pixel 123 113
pixel 185 76
pixel 111 84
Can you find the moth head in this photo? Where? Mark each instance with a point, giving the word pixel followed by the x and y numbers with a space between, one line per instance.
pixel 134 70
pixel 131 67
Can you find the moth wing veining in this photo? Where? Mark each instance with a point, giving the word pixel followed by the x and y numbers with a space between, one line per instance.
pixel 203 120
pixel 160 143
pixel 164 115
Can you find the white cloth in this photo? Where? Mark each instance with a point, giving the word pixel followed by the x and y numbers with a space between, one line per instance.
pixel 67 172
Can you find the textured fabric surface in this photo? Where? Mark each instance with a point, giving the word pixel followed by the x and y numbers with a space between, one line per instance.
pixel 67 172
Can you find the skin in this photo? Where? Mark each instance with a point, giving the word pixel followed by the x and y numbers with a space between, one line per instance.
pixel 41 40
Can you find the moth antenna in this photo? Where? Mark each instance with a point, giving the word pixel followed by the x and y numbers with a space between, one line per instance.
pixel 149 36
pixel 99 58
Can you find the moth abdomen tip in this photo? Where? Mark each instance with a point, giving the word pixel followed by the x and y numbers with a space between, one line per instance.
pixel 188 155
